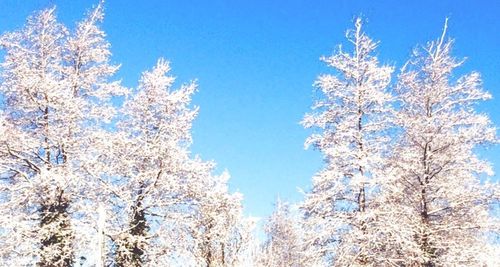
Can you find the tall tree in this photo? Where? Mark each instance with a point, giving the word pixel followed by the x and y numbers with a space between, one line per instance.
pixel 440 205
pixel 352 119
pixel 54 83
pixel 34 93
pixel 87 73
pixel 150 167
pixel 166 205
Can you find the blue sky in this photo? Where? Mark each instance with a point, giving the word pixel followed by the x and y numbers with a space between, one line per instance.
pixel 255 62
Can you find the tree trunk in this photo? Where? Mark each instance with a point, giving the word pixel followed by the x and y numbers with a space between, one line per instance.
pixel 57 236
pixel 132 247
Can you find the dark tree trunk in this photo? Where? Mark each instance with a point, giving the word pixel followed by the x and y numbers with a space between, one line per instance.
pixel 57 236
pixel 131 251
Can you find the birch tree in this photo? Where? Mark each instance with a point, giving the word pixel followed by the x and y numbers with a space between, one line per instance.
pixel 350 119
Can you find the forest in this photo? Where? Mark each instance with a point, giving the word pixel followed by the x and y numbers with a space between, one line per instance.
pixel 93 173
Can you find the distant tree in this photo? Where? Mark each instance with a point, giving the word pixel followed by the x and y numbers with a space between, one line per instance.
pixel 54 86
pixel 438 206
pixel 221 231
pixel 352 119
pixel 284 239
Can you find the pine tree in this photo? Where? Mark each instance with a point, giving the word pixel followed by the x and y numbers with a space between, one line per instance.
pixel 351 118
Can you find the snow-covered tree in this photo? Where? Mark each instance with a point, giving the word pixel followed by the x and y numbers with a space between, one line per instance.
pixel 284 245
pixel 165 206
pixel 62 155
pixel 438 206
pixel 54 83
pixel 149 169
pixel 221 232
pixel 87 73
pixel 36 176
pixel 351 118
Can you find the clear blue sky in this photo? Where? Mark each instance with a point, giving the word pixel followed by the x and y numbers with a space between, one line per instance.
pixel 255 62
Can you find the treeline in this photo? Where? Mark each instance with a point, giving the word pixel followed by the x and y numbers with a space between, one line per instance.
pixel 86 181
pixel 96 174
pixel 402 183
